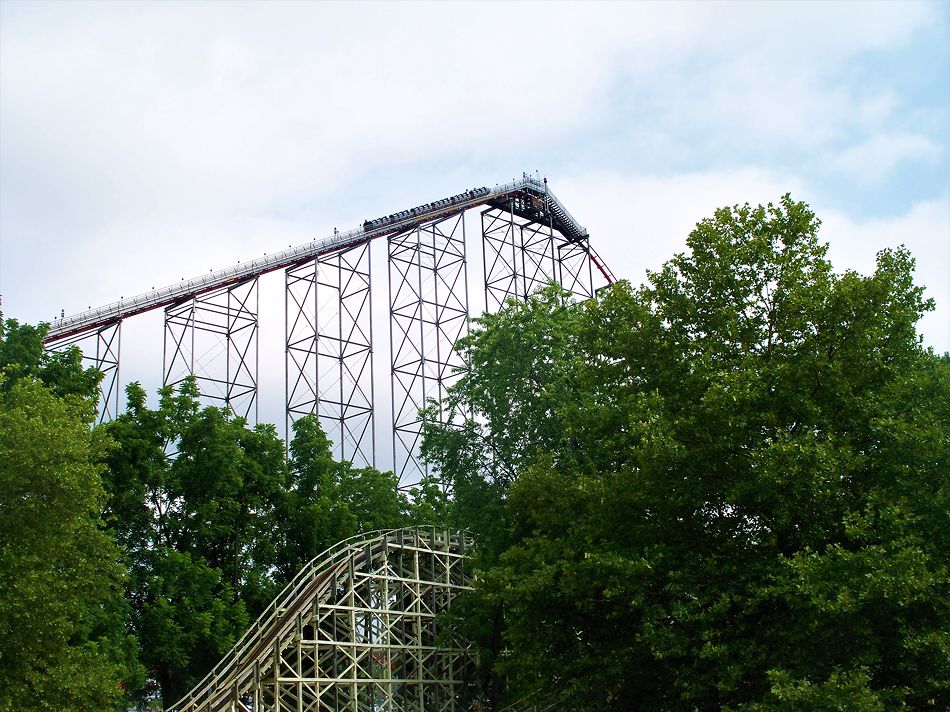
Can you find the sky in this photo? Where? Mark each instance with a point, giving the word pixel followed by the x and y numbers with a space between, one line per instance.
pixel 143 142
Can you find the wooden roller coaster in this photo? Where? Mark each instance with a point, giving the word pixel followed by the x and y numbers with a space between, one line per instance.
pixel 358 629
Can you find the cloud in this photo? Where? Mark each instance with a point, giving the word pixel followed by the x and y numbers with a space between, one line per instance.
pixel 755 82
pixel 154 108
pixel 205 109
pixel 870 162
pixel 638 222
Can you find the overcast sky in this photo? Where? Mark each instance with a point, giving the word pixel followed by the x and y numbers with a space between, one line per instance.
pixel 145 142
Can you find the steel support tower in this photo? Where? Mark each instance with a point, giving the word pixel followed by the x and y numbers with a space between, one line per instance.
pixel 428 314
pixel 213 337
pixel 522 254
pixel 528 239
pixel 329 353
pixel 100 349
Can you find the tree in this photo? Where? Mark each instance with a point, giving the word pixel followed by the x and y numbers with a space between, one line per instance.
pixel 62 640
pixel 312 502
pixel 214 532
pixel 197 528
pixel 22 356
pixel 330 500
pixel 209 517
pixel 725 489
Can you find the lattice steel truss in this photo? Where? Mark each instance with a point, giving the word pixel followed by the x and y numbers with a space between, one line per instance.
pixel 520 255
pixel 100 348
pixel 529 238
pixel 358 630
pixel 213 337
pixel 428 297
pixel 329 357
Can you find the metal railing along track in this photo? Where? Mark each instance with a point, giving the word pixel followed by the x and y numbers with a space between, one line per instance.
pixel 371 229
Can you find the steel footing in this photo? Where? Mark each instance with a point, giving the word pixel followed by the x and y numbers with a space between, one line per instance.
pixel 100 349
pixel 213 337
pixel 329 356
pixel 428 297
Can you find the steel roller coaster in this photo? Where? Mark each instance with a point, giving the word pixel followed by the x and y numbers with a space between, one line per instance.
pixel 528 239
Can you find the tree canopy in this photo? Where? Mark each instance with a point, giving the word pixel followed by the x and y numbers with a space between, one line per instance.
pixel 214 521
pixel 63 643
pixel 133 554
pixel 725 489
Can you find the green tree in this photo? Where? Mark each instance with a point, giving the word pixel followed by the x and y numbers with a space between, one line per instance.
pixel 197 528
pixel 63 644
pixel 214 532
pixel 329 500
pixel 22 356
pixel 725 489
pixel 312 503
pixel 429 503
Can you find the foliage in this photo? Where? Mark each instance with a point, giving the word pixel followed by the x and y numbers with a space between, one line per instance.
pixel 725 489
pixel 329 500
pixel 214 521
pixel 196 528
pixel 22 356
pixel 62 640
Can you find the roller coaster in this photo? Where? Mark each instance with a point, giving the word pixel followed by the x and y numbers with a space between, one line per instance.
pixel 359 629
pixel 332 345
pixel 527 197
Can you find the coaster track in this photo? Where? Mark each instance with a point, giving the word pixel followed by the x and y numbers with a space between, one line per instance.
pixel 534 201
pixel 333 351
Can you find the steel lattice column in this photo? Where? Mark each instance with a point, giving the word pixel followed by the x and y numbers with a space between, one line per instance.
pixel 520 256
pixel 428 296
pixel 100 349
pixel 574 267
pixel 329 359
pixel 213 337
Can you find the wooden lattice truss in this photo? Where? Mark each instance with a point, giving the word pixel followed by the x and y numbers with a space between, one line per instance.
pixel 358 629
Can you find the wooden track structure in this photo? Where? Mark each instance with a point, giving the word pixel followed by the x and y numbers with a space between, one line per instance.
pixel 357 630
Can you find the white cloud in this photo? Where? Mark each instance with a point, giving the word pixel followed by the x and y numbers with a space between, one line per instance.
pixel 638 222
pixel 870 162
pixel 756 81
pixel 193 109
pixel 207 108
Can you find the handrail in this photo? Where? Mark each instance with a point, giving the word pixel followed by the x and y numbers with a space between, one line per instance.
pixel 174 293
